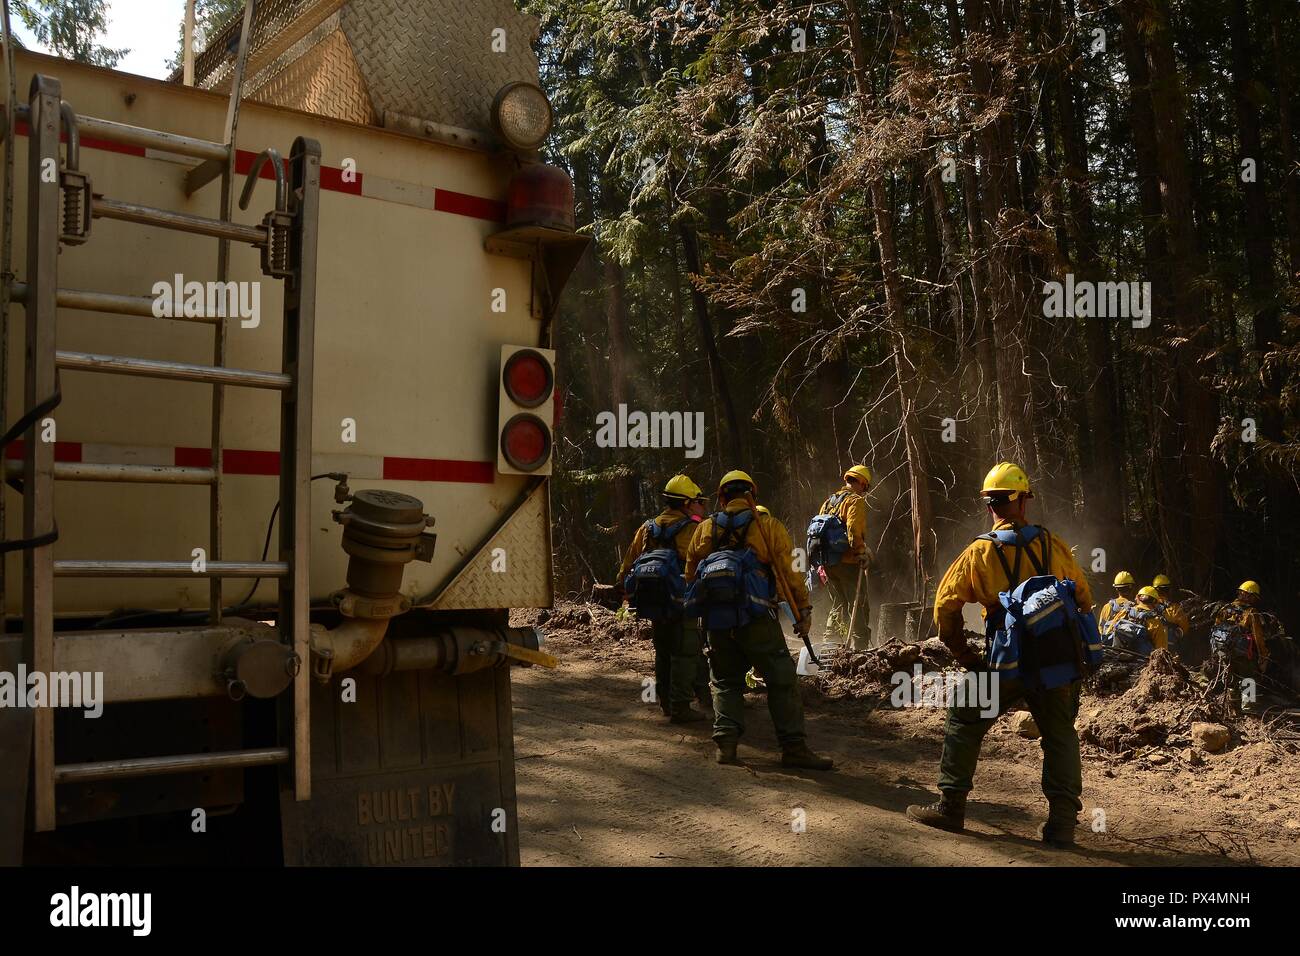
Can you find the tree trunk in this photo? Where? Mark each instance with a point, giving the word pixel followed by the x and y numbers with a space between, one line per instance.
pixel 625 485
pixel 1103 479
pixel 1004 216
pixel 905 374
pixel 1286 137
pixel 1187 472
pixel 691 253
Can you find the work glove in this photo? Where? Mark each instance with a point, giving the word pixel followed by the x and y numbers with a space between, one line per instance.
pixel 804 625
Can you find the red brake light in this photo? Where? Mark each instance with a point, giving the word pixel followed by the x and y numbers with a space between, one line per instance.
pixel 526 442
pixel 528 379
pixel 541 195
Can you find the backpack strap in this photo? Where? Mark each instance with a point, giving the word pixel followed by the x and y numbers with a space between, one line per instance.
pixel 832 504
pixel 1022 546
pixel 1040 565
pixel 669 532
pixel 729 525
pixel 1012 575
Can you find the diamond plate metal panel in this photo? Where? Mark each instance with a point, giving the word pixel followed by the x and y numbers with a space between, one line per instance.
pixel 430 59
pixel 324 79
pixel 526 581
pixel 436 60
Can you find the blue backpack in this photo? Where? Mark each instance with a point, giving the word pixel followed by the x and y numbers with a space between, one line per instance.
pixel 1230 638
pixel 731 587
pixel 1116 612
pixel 655 586
pixel 1131 631
pixel 828 538
pixel 1038 635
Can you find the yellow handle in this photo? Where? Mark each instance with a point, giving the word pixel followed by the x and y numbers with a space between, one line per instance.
pixel 527 654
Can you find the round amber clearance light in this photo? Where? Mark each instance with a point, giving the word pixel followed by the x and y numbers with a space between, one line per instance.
pixel 526 442
pixel 528 378
pixel 521 115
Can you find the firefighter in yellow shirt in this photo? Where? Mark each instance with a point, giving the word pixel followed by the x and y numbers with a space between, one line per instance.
pixel 768 578
pixel 1237 640
pixel 845 580
pixel 681 673
pixel 1175 615
pixel 977 577
pixel 1110 613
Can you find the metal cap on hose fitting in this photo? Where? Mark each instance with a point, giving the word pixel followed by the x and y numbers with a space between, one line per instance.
pixel 382 532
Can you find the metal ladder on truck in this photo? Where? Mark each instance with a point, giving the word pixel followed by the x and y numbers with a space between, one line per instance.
pixel 287 239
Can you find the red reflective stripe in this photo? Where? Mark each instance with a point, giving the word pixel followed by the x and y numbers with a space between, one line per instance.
pixel 461 204
pixel 246 461
pixel 331 180
pixel 438 469
pixel 236 461
pixel 192 457
pixel 63 450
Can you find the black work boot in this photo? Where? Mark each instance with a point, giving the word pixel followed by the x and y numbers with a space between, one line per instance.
pixel 948 813
pixel 727 751
pixel 685 714
pixel 1059 833
pixel 801 756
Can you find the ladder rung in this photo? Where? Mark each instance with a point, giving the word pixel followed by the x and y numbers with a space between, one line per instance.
pixel 168 219
pixel 181 371
pixel 142 474
pixel 181 763
pixel 170 569
pixel 143 136
pixel 117 304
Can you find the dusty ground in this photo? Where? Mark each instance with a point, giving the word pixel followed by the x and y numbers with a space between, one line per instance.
pixel 603 779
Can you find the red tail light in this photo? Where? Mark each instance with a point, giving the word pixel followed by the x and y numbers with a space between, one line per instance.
pixel 528 378
pixel 526 442
pixel 541 195
pixel 525 410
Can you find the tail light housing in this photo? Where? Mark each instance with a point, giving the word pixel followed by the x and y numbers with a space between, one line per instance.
pixel 540 196
pixel 526 410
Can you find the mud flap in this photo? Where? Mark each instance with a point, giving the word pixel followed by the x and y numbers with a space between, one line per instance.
pixel 15 759
pixel 418 770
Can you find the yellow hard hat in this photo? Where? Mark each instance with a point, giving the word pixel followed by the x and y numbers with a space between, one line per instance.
pixel 1124 579
pixel 861 472
pixel 737 475
pixel 1161 581
pixel 679 486
pixel 1250 587
pixel 1150 593
pixel 1006 480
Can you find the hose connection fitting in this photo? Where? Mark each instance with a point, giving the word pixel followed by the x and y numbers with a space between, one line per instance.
pixel 383 531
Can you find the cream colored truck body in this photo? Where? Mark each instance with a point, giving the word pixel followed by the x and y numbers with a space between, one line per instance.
pixel 408 348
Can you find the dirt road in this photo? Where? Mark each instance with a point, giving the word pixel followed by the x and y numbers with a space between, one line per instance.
pixel 604 780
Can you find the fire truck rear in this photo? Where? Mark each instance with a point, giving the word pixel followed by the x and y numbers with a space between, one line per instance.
pixel 279 416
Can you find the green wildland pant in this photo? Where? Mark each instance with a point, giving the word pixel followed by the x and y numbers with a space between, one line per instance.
pixel 761 645
pixel 1239 669
pixel 1053 711
pixel 842 583
pixel 677 662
